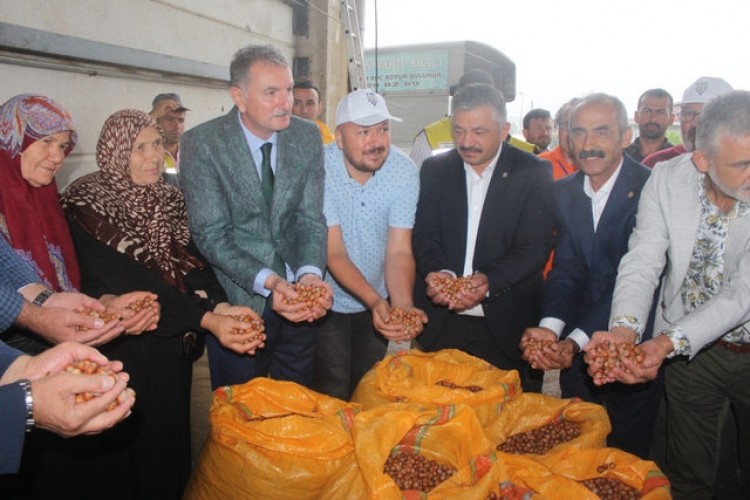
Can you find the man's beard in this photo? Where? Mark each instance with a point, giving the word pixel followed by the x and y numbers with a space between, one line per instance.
pixel 741 194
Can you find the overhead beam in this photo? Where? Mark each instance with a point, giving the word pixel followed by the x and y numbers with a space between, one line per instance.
pixel 77 54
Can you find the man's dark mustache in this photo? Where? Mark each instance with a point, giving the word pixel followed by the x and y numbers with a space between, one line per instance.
pixel 378 150
pixel 470 149
pixel 592 153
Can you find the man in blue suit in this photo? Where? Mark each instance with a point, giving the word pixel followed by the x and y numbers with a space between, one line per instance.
pixel 31 397
pixel 253 184
pixel 596 212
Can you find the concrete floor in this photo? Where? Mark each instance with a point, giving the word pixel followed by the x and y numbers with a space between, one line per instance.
pixel 551 384
pixel 199 405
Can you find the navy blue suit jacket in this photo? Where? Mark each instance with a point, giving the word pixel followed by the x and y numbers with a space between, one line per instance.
pixel 513 241
pixel 12 416
pixel 581 283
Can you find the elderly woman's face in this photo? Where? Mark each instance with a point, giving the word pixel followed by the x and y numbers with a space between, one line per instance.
pixel 147 157
pixel 42 159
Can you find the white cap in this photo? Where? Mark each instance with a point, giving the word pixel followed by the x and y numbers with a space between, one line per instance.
pixel 704 89
pixel 363 107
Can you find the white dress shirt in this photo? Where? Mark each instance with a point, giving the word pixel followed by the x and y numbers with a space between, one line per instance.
pixel 476 192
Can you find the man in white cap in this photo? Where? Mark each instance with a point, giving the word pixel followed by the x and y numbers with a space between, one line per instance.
pixel 371 191
pixel 695 97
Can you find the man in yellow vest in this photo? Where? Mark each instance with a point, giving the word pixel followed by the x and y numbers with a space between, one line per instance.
pixel 437 137
pixel 307 104
pixel 169 112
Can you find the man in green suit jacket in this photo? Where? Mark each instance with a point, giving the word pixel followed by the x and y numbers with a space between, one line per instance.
pixel 253 184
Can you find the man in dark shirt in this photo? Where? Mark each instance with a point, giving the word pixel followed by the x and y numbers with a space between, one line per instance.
pixel 654 116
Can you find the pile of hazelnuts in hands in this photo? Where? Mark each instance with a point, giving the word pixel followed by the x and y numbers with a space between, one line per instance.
pixel 450 286
pixel 609 355
pixel 89 367
pixel 107 316
pixel 409 319
pixel 257 327
pixel 310 295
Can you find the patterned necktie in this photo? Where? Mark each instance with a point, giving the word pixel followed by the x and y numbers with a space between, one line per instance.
pixel 266 172
pixel 267 183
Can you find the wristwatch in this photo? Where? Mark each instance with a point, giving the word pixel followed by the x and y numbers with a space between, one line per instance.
pixel 42 297
pixel 29 400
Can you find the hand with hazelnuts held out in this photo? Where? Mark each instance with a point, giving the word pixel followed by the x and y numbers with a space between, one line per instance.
pixel 543 351
pixel 399 324
pixel 305 300
pixel 57 321
pixel 628 369
pixel 55 392
pixel 457 293
pixel 135 319
pixel 238 328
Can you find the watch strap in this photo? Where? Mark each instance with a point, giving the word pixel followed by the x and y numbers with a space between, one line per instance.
pixel 29 401
pixel 42 297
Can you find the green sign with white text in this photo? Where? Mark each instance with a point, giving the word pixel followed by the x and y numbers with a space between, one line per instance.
pixel 408 71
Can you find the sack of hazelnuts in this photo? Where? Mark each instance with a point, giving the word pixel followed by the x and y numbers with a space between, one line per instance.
pixel 275 439
pixel 517 477
pixel 438 378
pixel 607 473
pixel 543 426
pixel 407 453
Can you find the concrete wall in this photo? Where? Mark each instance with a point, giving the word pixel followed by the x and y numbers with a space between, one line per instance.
pixel 192 40
pixel 325 46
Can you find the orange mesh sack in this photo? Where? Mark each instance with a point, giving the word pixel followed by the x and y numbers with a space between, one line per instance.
pixel 438 378
pixel 450 435
pixel 532 424
pixel 643 476
pixel 277 440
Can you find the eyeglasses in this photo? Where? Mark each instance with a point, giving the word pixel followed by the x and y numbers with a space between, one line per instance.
pixel 689 115
pixel 661 113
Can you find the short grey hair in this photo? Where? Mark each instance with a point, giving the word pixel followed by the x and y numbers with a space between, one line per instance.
pixel 621 114
pixel 476 95
pixel 726 114
pixel 247 56
pixel 562 117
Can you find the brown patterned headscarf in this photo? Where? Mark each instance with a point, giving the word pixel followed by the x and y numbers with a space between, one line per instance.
pixel 147 223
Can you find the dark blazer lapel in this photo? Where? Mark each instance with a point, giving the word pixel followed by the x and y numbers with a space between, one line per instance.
pixel 623 198
pixel 581 217
pixel 491 221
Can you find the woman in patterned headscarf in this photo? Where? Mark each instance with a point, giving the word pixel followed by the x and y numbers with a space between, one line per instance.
pixel 130 227
pixel 36 134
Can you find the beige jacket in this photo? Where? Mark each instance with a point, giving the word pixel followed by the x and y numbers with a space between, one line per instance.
pixel 664 235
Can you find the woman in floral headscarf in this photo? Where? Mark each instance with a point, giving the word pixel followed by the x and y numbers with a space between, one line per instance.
pixel 130 227
pixel 36 134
